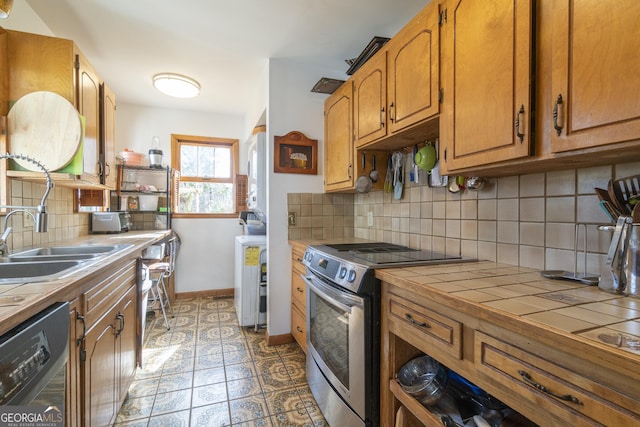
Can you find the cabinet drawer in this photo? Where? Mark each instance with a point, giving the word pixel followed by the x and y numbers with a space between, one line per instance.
pixel 297 268
pixel 422 325
pixel 107 292
pixel 299 327
pixel 536 382
pixel 298 291
pixel 297 251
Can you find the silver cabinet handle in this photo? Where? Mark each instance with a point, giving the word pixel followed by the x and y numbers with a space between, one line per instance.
pixel 415 322
pixel 519 120
pixel 566 397
pixel 558 114
pixel 84 329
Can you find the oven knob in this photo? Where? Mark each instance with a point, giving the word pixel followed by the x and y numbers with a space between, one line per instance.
pixel 342 273
pixel 352 276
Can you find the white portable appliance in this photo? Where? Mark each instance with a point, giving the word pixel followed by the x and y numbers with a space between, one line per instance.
pixel 250 279
pixel 257 176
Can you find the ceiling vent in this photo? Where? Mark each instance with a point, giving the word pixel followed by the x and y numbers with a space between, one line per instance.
pixel 327 85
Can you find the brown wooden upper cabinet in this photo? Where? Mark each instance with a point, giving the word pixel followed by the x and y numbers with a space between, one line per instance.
pixel 88 103
pixel 43 63
pixel 370 100
pixel 108 127
pixel 595 73
pixel 486 60
pixel 338 140
pixel 398 87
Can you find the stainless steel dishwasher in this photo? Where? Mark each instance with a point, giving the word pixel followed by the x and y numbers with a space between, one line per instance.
pixel 33 359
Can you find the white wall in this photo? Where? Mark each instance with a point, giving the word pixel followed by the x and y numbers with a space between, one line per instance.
pixel 206 255
pixel 292 106
pixel 23 18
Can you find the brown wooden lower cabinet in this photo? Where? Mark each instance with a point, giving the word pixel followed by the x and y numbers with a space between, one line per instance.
pixel 110 361
pixel 100 372
pixel 102 347
pixel 541 380
pixel 73 400
pixel 298 295
pixel 558 390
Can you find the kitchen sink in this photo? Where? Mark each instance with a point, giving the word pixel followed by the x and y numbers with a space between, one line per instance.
pixel 12 272
pixel 43 257
pixel 84 250
pixel 63 253
pixel 51 262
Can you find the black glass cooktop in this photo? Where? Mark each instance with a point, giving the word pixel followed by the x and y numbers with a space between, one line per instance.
pixel 381 254
pixel 369 247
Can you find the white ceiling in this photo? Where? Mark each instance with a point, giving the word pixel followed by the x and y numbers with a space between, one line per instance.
pixel 224 44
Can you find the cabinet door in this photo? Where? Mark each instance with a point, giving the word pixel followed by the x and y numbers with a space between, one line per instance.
pixel 413 69
pixel 126 336
pixel 338 140
pixel 100 385
pixel 73 402
pixel 89 107
pixel 595 73
pixel 370 100
pixel 486 52
pixel 108 141
pixel 40 63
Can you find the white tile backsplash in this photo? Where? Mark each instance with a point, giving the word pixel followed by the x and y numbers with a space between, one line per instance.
pixel 526 220
pixel 64 223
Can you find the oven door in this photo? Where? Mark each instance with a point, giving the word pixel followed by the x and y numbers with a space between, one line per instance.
pixel 336 343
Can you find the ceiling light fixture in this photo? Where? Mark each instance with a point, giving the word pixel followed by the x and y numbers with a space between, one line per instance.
pixel 176 85
pixel 5 8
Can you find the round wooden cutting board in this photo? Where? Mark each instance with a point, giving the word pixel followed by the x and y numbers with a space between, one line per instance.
pixel 45 126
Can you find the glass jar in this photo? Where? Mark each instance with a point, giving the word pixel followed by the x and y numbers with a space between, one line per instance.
pixel 133 203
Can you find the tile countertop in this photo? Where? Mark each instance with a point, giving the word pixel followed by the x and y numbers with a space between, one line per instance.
pixel 502 293
pixel 19 301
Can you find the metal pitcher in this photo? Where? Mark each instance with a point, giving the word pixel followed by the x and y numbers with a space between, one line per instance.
pixel 623 257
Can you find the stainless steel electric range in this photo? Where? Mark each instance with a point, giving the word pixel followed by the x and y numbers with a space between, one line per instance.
pixel 343 325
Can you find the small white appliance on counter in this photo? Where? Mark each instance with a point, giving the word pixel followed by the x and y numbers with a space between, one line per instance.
pixel 253 223
pixel 105 223
pixel 250 279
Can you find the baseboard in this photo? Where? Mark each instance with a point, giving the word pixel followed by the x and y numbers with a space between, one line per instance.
pixel 278 339
pixel 215 293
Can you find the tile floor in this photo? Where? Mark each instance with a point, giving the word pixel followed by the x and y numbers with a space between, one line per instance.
pixel 208 371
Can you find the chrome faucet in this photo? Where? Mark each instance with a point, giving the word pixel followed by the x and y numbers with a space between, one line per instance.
pixel 40 217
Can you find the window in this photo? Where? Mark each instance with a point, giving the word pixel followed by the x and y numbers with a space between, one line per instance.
pixel 208 167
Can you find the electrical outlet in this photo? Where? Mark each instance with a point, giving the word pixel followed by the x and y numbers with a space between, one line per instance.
pixel 291 219
pixel 369 219
pixel 27 221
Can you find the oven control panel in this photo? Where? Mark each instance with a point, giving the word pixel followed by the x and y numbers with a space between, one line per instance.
pixel 339 272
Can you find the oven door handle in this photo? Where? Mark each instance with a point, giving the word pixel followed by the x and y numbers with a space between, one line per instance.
pixel 339 299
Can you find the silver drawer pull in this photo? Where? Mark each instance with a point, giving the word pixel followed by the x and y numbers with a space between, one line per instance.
pixel 415 322
pixel 567 397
